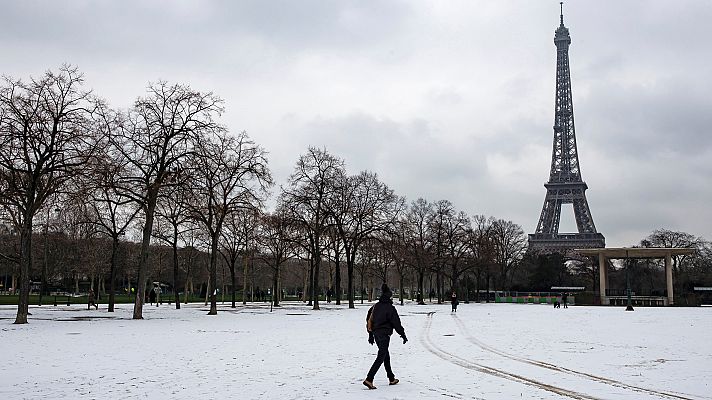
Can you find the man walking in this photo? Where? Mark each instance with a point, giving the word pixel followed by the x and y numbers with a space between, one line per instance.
pixel 381 320
pixel 91 300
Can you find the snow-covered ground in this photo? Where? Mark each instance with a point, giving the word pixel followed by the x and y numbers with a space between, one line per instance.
pixel 484 351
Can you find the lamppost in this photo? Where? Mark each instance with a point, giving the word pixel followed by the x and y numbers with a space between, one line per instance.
pixel 629 307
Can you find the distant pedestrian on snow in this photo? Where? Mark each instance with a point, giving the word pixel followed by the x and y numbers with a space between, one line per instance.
pixel 453 301
pixel 431 295
pixel 565 299
pixel 152 296
pixel 329 293
pixel 91 300
pixel 381 320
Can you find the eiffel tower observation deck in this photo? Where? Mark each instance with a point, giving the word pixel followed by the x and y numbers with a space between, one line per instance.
pixel 565 185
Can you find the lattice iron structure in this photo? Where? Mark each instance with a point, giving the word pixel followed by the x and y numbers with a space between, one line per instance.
pixel 565 185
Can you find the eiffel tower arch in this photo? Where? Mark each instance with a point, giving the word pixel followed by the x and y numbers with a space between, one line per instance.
pixel 565 185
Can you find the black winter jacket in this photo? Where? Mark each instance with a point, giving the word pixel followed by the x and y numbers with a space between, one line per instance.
pixel 385 318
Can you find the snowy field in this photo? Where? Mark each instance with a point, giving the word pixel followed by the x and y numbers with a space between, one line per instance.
pixel 484 351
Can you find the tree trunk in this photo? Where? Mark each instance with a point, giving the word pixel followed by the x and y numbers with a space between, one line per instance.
pixel 112 273
pixel 362 288
pixel 400 286
pixel 232 281
pixel 143 258
pixel 43 285
pixel 187 286
pixel 310 287
pixel 279 285
pixel 337 280
pixel 207 292
pixel 275 281
pixel 439 285
pixel 350 283
pixel 175 268
pixel 244 281
pixel 421 287
pixel 478 285
pixel 315 285
pixel 487 283
pixel 23 303
pixel 467 289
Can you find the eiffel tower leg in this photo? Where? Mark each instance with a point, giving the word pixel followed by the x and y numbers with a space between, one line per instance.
pixel 550 216
pixel 584 221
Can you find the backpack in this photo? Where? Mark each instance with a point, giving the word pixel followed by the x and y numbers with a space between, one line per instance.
pixel 369 320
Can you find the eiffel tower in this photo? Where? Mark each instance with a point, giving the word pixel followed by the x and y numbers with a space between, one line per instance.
pixel 565 185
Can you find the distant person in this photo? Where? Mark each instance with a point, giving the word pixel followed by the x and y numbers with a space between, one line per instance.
pixel 381 320
pixel 557 304
pixel 329 293
pixel 431 295
pixel 565 299
pixel 91 300
pixel 157 289
pixel 453 301
pixel 152 296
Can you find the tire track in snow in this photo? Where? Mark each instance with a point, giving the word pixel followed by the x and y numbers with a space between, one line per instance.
pixel 454 359
pixel 542 364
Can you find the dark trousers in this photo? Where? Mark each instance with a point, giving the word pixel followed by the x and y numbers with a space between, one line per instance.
pixel 382 341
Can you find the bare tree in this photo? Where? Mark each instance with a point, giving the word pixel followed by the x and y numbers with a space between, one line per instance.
pixel 395 243
pixel 173 223
pixel 417 232
pixel 481 250
pixel 277 241
pixel 510 244
pixel 457 249
pixel 442 212
pixel 335 251
pixel 675 239
pixel 111 213
pixel 45 138
pixel 306 197
pixel 228 174
pixel 155 141
pixel 361 207
pixel 238 238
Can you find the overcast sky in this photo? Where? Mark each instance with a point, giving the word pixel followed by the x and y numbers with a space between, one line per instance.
pixel 443 99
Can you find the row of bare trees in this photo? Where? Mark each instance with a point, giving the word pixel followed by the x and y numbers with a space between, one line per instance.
pixel 358 220
pixel 165 170
pixel 122 167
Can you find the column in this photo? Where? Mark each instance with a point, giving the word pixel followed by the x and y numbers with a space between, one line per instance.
pixel 602 277
pixel 668 278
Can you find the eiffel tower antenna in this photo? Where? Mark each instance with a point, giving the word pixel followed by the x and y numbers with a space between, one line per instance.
pixel 565 185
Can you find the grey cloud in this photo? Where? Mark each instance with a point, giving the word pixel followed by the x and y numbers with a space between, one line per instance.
pixel 444 100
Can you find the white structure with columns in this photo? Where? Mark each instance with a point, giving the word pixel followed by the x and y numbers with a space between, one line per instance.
pixel 604 254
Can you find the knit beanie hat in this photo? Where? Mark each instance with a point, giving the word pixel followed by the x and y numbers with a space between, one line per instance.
pixel 386 291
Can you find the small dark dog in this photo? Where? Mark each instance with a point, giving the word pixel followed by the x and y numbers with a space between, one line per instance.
pixel 557 304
